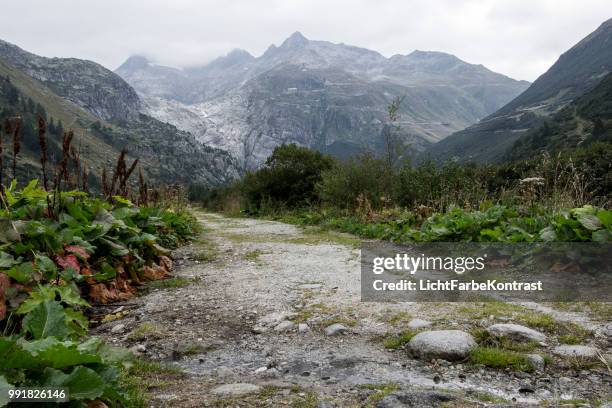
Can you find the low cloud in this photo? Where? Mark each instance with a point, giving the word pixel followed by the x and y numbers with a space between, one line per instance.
pixel 518 38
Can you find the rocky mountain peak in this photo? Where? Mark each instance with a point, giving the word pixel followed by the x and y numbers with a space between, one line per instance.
pixel 234 57
pixel 85 83
pixel 133 63
pixel 296 40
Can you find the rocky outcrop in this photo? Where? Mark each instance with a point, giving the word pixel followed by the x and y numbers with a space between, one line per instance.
pixel 85 83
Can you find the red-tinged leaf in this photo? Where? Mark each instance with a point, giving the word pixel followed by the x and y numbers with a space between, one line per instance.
pixel 78 251
pixel 4 285
pixel 68 261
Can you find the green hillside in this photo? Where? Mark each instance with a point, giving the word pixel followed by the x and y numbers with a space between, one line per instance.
pixel 157 145
pixel 586 120
pixel 24 96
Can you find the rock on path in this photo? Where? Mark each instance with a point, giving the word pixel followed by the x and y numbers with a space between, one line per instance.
pixel 445 344
pixel 567 350
pixel 516 332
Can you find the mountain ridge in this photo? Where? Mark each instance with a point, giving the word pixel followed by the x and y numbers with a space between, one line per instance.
pixel 100 125
pixel 576 71
pixel 330 94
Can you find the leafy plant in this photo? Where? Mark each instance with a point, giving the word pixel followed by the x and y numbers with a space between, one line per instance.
pixel 53 264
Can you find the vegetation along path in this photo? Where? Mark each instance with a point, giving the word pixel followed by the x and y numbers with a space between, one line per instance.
pixel 262 313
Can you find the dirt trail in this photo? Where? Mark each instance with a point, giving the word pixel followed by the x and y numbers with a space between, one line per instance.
pixel 208 322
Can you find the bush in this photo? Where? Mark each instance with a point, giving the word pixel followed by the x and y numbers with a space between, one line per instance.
pixel 287 179
pixel 363 176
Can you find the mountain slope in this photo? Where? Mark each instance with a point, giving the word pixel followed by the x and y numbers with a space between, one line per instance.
pixel 87 84
pixel 577 71
pixel 167 154
pixel 585 120
pixel 332 97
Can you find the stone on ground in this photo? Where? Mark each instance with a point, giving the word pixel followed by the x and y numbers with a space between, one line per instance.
pixel 567 350
pixel 415 399
pixel 334 329
pixel 516 332
pixel 236 389
pixel 284 326
pixel 536 360
pixel 445 344
pixel 418 324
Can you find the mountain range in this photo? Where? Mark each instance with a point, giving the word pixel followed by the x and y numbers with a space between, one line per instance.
pixel 331 97
pixel 106 114
pixel 578 71
pixel 207 124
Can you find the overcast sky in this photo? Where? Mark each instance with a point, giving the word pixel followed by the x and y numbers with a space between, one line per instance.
pixel 519 38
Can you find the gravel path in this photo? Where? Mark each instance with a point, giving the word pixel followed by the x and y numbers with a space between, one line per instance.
pixel 246 323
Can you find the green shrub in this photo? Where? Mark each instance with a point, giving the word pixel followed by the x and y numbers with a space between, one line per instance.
pixel 287 179
pixel 361 176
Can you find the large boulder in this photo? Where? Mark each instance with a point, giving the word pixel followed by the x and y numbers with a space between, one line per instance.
pixel 445 344
pixel 516 332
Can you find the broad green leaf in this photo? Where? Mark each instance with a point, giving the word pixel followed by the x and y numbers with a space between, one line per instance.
pixel 602 235
pixel 589 221
pixel 82 383
pixel 548 234
pixel 85 244
pixel 7 260
pixel 4 389
pixel 36 297
pixel 106 272
pixel 70 294
pixel 605 217
pixel 22 273
pixel 46 266
pixel 13 356
pixel 51 352
pixel 47 319
pixel 115 248
pixel 8 232
pixel 76 321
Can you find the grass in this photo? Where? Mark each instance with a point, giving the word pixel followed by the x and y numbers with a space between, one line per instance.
pixel 487 397
pixel 570 403
pixel 570 339
pixel 177 282
pixel 483 338
pixel 310 400
pixel 396 318
pixel 495 309
pixel 397 341
pixel 192 349
pixel 143 331
pixel 253 256
pixel 143 375
pixel 326 235
pixel 345 321
pixel 382 390
pixel 538 321
pixel 207 255
pixel 268 391
pixel 498 358
pixel 600 310
pixel 582 363
pixel 307 312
